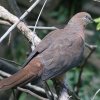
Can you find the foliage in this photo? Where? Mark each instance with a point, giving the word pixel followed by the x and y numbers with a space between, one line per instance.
pixel 90 81
pixel 97 20
pixel 60 14
pixel 25 96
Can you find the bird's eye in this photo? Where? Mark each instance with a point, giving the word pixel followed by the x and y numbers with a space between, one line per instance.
pixel 87 17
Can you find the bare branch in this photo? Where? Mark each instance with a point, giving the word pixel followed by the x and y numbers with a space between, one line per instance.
pixel 95 94
pixel 5 22
pixel 39 15
pixel 31 27
pixel 32 36
pixel 92 49
pixel 31 93
pixel 43 28
pixel 93 60
pixel 4 74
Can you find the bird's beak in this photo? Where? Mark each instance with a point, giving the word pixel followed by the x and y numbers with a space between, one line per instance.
pixel 91 20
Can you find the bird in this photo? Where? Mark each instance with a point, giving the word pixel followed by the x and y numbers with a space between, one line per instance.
pixel 58 52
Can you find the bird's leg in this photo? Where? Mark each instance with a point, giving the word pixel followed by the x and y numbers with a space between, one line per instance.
pixel 62 89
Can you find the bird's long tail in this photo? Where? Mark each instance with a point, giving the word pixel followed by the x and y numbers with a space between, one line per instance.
pixel 29 72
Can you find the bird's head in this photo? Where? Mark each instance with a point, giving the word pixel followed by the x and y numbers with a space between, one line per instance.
pixel 82 18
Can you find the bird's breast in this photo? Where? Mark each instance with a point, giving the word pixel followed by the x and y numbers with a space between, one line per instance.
pixel 61 56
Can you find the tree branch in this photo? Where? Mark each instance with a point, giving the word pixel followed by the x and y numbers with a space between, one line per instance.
pixel 92 49
pixel 32 37
pixel 31 93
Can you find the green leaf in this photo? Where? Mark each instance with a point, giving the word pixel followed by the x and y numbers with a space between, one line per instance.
pixel 97 20
pixel 23 96
pixel 98 26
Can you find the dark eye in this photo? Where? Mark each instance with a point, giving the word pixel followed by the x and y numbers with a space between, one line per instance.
pixel 89 18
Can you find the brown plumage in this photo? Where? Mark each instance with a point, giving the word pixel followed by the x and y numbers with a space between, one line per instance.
pixel 58 52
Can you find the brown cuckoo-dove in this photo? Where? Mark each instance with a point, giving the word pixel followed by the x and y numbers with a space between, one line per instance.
pixel 58 52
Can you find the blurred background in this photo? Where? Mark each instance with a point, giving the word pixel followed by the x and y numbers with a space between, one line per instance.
pixel 56 13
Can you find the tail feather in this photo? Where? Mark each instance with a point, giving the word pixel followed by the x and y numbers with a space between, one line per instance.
pixel 29 72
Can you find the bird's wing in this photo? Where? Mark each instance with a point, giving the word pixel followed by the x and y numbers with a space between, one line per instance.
pixel 47 40
pixel 44 44
pixel 64 57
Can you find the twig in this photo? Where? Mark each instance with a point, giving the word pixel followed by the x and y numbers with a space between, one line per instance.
pixel 10 61
pixel 95 94
pixel 31 93
pixel 48 91
pixel 5 22
pixel 39 15
pixel 9 39
pixel 15 24
pixel 4 74
pixel 40 89
pixel 92 48
pixel 93 60
pixel 31 27
pixel 43 28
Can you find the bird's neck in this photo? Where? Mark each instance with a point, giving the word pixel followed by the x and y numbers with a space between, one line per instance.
pixel 77 28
